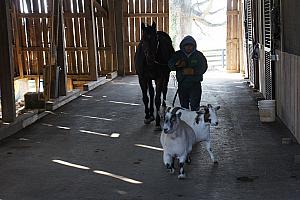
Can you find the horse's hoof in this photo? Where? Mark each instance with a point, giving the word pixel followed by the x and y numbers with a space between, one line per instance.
pixel 157 128
pixel 149 120
pixel 188 160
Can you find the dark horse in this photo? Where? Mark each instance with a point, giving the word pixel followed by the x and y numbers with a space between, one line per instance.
pixel 151 63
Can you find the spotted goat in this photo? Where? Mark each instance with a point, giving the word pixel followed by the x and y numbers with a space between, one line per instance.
pixel 182 129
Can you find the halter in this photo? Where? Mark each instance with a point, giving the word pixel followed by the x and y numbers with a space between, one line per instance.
pixel 156 50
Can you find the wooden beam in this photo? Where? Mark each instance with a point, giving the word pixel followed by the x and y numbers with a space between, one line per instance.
pixel 119 36
pixel 61 56
pixel 74 15
pixel 6 64
pixel 34 15
pixel 100 9
pixel 52 70
pixel 135 15
pixel 91 39
pixel 108 33
pixel 18 60
pixel 111 18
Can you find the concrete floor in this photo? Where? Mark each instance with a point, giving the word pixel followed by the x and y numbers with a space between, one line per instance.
pixel 97 147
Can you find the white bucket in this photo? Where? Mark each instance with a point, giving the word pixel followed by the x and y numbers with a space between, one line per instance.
pixel 266 110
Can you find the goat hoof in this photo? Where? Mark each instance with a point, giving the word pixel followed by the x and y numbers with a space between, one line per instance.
pixel 216 162
pixel 181 176
pixel 171 170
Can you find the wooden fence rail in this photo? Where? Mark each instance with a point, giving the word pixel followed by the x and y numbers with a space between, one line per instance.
pixel 215 57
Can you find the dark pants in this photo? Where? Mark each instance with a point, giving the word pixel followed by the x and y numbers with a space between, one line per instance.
pixel 190 96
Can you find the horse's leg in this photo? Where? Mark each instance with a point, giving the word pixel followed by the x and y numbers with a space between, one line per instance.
pixel 165 88
pixel 144 88
pixel 151 94
pixel 158 91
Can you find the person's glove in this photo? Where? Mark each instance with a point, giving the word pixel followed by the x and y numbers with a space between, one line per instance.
pixel 180 63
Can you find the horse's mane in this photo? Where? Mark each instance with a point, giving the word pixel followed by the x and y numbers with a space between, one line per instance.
pixel 164 53
pixel 164 36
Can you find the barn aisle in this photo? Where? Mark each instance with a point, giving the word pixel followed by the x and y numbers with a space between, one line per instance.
pixel 97 147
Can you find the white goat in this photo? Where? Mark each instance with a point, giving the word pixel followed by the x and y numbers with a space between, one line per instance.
pixel 181 130
pixel 177 140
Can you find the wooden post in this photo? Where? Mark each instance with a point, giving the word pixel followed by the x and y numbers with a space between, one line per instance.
pixel 52 72
pixel 125 38
pixel 91 39
pixel 17 40
pixel 61 55
pixel 241 36
pixel 6 64
pixel 111 17
pixel 119 36
pixel 107 36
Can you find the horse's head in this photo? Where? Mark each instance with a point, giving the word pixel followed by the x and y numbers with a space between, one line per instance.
pixel 149 42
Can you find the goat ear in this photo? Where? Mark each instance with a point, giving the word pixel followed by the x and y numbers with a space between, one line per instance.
pixel 178 115
pixel 153 24
pixel 199 112
pixel 218 107
pixel 143 25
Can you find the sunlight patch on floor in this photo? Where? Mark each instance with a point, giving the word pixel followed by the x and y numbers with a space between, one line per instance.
pixel 125 83
pixel 87 96
pixel 149 147
pixel 94 133
pixel 124 103
pixel 63 127
pixel 45 124
pixel 113 135
pixel 129 180
pixel 101 172
pixel 92 117
pixel 70 164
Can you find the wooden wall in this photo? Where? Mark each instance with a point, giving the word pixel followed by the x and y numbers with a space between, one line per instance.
pixel 32 24
pixel 288 91
pixel 287 68
pixel 85 22
pixel 136 12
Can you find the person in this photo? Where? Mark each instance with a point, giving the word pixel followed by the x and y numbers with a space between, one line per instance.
pixel 190 65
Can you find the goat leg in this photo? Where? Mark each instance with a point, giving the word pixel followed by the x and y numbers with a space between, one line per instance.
pixel 170 168
pixel 181 171
pixel 208 148
pixel 169 162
